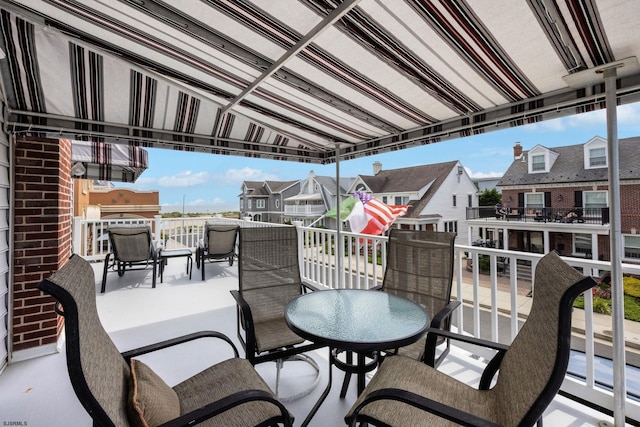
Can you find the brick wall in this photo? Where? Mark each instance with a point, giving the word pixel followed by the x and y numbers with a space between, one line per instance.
pixel 42 235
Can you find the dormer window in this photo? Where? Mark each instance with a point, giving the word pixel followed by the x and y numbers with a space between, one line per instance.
pixel 597 157
pixel 538 163
pixel 540 159
pixel 595 153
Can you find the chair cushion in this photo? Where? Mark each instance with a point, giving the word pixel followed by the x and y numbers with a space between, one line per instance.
pixel 151 401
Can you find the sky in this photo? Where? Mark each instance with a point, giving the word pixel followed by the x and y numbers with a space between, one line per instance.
pixel 208 183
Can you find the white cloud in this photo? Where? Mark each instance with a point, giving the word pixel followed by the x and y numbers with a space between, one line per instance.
pixel 183 179
pixel 628 114
pixel 478 175
pixel 236 176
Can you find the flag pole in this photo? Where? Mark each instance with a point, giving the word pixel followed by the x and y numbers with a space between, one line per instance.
pixel 339 244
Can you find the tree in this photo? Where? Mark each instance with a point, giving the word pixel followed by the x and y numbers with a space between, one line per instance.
pixel 489 197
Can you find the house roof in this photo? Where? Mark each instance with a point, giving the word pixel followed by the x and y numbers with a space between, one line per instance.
pixel 407 179
pixel 287 80
pixel 280 186
pixel 411 179
pixel 569 166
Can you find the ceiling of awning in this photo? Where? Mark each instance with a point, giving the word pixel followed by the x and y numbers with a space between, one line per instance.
pixel 107 162
pixel 290 79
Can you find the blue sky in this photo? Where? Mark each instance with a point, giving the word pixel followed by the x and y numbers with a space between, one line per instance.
pixel 211 183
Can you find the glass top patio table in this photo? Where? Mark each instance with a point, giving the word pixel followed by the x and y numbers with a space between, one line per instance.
pixel 357 320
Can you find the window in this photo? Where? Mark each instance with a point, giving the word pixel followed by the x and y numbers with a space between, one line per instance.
pixel 451 226
pixel 249 204
pixel 384 199
pixel 632 246
pixel 260 204
pixel 277 203
pixel 597 157
pixel 534 200
pixel 401 200
pixel 595 199
pixel 582 244
pixel 538 163
pixel 470 200
pixel 455 201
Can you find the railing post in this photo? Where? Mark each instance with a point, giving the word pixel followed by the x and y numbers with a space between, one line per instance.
pixel 156 227
pixel 77 246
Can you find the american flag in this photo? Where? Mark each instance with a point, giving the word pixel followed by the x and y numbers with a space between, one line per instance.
pixel 371 216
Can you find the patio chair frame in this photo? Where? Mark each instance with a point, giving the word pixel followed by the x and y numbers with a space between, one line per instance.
pixel 291 346
pixel 95 396
pixel 573 284
pixel 120 260
pixel 220 253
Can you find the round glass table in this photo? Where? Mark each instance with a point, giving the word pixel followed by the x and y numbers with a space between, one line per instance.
pixel 360 321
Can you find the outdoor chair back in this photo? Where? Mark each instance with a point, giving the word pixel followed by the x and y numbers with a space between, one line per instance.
pixel 219 244
pixel 116 391
pixel 420 268
pixel 269 274
pixel 131 246
pixel 531 369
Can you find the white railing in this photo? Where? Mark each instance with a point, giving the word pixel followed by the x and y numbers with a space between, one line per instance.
pixel 304 209
pixel 487 304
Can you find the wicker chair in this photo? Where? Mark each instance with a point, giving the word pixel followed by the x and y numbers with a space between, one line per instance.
pixel 420 268
pixel 405 392
pixel 218 244
pixel 131 248
pixel 269 278
pixel 118 390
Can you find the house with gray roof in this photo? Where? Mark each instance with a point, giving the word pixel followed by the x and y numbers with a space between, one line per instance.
pixel 317 195
pixel 557 199
pixel 264 200
pixel 439 194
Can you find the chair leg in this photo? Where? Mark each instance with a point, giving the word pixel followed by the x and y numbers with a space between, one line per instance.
pixel 202 266
pixel 155 272
pixel 104 273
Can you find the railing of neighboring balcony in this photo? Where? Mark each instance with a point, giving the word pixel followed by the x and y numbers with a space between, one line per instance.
pixel 542 215
pixel 495 300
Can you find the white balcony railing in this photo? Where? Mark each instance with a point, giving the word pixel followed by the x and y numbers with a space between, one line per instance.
pixel 490 301
pixel 305 210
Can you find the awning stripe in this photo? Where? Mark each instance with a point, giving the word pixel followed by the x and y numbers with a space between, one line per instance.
pixel 587 19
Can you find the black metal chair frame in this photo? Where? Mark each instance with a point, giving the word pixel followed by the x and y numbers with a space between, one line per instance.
pixel 114 262
pixel 247 335
pixel 67 307
pixel 202 251
pixel 533 416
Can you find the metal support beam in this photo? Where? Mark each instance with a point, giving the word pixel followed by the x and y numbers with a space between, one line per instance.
pixel 615 239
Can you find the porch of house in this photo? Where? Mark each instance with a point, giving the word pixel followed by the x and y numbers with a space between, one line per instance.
pixel 37 392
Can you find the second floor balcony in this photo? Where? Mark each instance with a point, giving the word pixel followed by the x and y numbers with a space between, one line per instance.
pixel 304 209
pixel 574 215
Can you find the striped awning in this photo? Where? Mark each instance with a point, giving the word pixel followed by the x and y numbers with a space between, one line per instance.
pixel 289 79
pixel 108 162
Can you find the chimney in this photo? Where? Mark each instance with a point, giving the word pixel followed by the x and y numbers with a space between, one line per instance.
pixel 377 167
pixel 517 150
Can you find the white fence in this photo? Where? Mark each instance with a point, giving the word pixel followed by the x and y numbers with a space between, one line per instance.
pixel 489 311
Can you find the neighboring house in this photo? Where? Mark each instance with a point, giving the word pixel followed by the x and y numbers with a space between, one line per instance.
pixel 101 200
pixel 557 199
pixel 264 200
pixel 488 183
pixel 317 195
pixel 439 194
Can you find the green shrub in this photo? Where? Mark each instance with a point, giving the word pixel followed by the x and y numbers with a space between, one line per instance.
pixel 484 263
pixel 631 308
pixel 601 305
pixel 631 286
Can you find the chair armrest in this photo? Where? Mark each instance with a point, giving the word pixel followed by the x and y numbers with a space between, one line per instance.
pixel 212 409
pixel 444 314
pixel 434 333
pixel 309 287
pixel 421 402
pixel 246 318
pixel 178 340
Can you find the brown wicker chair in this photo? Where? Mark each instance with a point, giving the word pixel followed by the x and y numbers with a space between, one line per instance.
pixel 405 392
pixel 218 244
pixel 116 389
pixel 131 248
pixel 269 275
pixel 420 268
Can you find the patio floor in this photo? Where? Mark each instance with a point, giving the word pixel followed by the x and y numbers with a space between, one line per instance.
pixel 37 392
